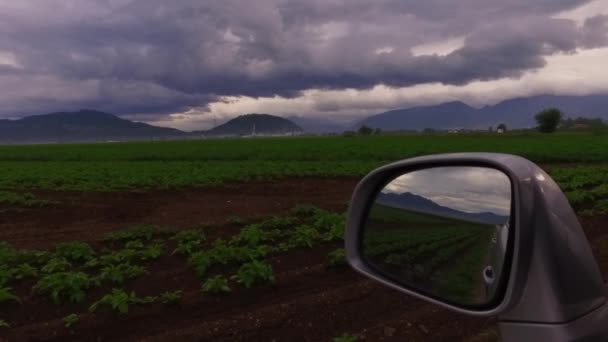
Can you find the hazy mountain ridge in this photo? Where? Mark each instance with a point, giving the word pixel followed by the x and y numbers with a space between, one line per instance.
pixel 93 126
pixel 84 125
pixel 515 113
pixel 421 204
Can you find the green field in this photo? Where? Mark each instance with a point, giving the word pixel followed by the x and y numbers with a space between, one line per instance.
pixel 117 166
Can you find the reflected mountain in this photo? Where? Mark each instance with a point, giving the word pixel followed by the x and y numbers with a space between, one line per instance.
pixel 411 202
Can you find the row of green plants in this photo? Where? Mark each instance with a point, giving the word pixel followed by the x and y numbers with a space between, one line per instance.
pixel 67 273
pixel 586 187
pixel 175 164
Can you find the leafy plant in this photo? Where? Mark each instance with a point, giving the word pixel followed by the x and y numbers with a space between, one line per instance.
pixel 7 296
pixel 22 271
pixel 346 338
pixel 254 273
pixel 121 272
pixel 134 244
pixel 151 252
pixel 304 209
pixel 200 261
pixel 119 301
pixel 4 324
pixel 65 286
pixel 216 285
pixel 56 264
pixel 304 236
pixel 188 241
pixel 70 320
pixel 75 251
pixel 170 297
pixel 337 257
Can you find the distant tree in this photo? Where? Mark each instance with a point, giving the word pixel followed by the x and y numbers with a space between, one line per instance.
pixel 428 130
pixel 502 127
pixel 490 129
pixel 548 120
pixel 364 130
pixel 378 131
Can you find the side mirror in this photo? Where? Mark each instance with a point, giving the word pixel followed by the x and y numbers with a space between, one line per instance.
pixel 481 234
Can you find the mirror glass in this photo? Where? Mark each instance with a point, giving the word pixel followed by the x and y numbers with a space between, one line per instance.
pixel 443 232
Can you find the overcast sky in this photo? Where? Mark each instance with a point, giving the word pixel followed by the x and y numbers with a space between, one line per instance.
pixel 186 63
pixel 464 188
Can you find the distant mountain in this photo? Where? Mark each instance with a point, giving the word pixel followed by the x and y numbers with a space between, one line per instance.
pixel 317 125
pixel 81 126
pixel 418 203
pixel 515 113
pixel 255 124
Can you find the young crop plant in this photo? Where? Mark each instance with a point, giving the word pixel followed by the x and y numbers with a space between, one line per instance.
pixel 188 241
pixel 151 252
pixel 170 297
pixel 304 209
pixel 255 273
pixel 22 271
pixel 200 261
pixel 55 265
pixel 216 285
pixel 117 274
pixel 304 236
pixel 6 296
pixel 279 223
pixel 70 320
pixel 75 251
pixel 119 301
pixel 337 257
pixel 65 286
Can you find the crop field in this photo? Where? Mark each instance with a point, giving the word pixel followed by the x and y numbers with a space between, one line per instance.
pixel 241 239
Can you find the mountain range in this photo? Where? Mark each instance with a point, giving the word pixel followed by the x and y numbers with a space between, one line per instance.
pixel 515 113
pixel 91 125
pixel 413 202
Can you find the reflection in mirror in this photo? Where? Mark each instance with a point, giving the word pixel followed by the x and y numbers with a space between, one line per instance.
pixel 442 231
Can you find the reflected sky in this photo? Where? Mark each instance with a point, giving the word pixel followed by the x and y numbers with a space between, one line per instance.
pixel 464 188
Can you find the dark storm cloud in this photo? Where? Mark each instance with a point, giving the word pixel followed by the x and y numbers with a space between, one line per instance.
pixel 152 56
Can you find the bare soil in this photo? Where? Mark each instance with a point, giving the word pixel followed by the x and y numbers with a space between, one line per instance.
pixel 309 302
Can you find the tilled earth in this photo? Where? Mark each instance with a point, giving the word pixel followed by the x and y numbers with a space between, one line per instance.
pixel 309 302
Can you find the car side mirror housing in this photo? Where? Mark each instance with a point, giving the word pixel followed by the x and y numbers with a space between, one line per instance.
pixel 481 234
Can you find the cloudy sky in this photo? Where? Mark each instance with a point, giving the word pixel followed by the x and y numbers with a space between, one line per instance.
pixel 468 189
pixel 187 64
